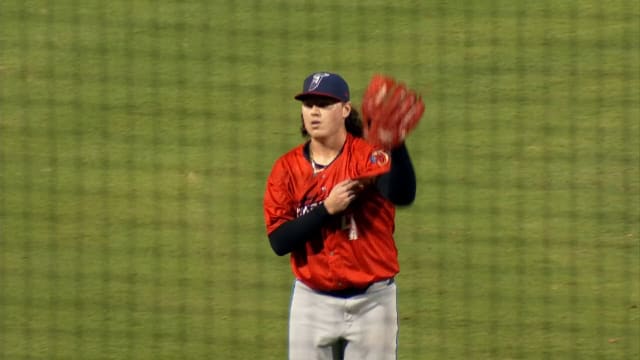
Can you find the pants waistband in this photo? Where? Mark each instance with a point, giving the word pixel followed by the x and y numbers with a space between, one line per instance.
pixel 351 292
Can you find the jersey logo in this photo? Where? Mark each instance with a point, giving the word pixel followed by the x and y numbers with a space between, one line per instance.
pixel 379 158
pixel 317 79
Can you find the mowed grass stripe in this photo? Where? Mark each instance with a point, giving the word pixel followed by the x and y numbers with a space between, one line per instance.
pixel 136 138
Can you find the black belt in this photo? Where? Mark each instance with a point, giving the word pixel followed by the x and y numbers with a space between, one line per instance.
pixel 351 292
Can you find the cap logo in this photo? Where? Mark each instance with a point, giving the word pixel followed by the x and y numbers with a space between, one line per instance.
pixel 316 80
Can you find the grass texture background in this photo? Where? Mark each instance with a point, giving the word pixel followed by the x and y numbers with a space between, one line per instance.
pixel 136 138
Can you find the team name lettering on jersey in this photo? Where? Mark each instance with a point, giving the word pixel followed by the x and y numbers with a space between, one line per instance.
pixel 306 208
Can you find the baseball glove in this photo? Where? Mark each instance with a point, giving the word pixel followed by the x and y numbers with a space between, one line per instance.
pixel 390 111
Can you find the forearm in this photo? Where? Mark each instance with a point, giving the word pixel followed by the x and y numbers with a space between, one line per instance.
pixel 399 184
pixel 296 232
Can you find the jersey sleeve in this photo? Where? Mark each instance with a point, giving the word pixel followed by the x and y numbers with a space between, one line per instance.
pixel 375 163
pixel 278 201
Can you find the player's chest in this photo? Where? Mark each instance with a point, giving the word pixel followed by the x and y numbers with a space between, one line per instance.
pixel 316 184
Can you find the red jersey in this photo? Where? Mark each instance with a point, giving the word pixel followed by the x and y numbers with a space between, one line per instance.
pixel 354 248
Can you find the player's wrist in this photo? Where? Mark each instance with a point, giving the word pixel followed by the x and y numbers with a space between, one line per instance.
pixel 328 208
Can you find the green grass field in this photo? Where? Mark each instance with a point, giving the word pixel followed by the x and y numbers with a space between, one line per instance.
pixel 136 138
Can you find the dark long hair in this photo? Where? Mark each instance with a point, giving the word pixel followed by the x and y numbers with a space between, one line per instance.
pixel 353 123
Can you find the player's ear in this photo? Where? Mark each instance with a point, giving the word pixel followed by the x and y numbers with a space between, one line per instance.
pixel 346 109
pixel 303 130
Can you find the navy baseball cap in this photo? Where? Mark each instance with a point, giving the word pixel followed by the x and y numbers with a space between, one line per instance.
pixel 324 84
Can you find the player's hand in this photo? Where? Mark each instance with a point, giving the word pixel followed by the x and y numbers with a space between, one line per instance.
pixel 342 195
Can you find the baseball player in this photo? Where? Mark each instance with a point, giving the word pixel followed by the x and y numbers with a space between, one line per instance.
pixel 330 203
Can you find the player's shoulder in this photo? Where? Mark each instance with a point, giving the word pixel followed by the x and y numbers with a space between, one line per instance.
pixel 359 142
pixel 289 159
pixel 294 154
pixel 360 146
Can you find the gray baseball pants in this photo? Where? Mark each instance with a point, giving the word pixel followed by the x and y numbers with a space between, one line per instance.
pixel 327 327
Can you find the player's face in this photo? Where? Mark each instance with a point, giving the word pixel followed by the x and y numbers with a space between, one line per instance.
pixel 324 117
